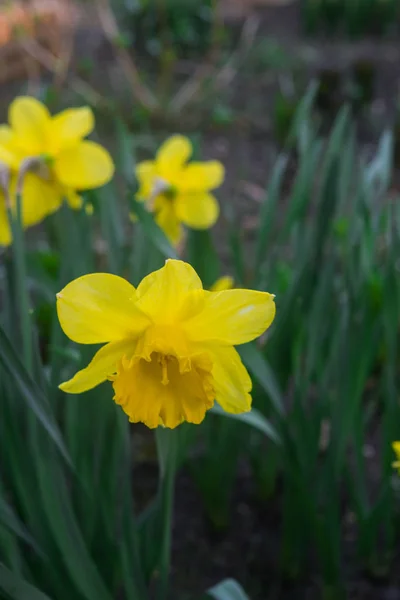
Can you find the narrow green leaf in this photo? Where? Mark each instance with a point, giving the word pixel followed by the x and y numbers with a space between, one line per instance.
pixel 268 212
pixel 12 522
pixel 32 394
pixel 152 230
pixel 65 528
pixel 202 256
pixel 253 418
pixel 16 588
pixel 257 364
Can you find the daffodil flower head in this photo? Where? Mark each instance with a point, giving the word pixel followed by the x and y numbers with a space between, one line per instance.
pixel 49 158
pixel 396 463
pixel 178 192
pixel 168 344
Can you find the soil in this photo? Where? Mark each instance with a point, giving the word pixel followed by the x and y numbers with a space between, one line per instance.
pixel 248 550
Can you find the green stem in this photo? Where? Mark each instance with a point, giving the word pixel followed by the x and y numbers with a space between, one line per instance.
pixel 167 454
pixel 21 281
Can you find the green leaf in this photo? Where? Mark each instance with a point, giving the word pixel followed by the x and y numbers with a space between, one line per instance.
pixel 65 528
pixel 228 589
pixel 152 230
pixel 258 365
pixel 18 589
pixel 30 391
pixel 202 256
pixel 268 213
pixel 11 522
pixel 253 418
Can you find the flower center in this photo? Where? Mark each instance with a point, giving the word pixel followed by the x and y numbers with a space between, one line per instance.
pixel 170 193
pixel 162 190
pixel 163 361
pixel 164 389
pixel 39 165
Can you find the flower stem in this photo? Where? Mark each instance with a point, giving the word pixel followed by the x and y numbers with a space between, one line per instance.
pixel 167 445
pixel 21 282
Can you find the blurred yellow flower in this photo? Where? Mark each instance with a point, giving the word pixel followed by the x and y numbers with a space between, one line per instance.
pixel 51 157
pixel 223 283
pixel 169 344
pixel 396 448
pixel 177 192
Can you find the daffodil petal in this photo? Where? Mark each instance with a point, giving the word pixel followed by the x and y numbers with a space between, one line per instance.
pixel 74 199
pixel 29 120
pixel 145 173
pixel 69 127
pixel 39 199
pixel 232 317
pixel 5 233
pixel 202 176
pixel 8 152
pixel 99 308
pixel 198 211
pixel 223 283
pixel 174 291
pixel 6 135
pixel 102 366
pixel 232 383
pixel 84 166
pixel 172 156
pixel 9 158
pixel 167 220
pixel 396 449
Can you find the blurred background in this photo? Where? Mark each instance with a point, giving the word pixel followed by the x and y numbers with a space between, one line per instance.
pixel 300 99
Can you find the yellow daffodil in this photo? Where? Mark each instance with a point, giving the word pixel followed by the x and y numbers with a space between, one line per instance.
pixel 50 158
pixel 396 448
pixel 223 283
pixel 177 192
pixel 169 344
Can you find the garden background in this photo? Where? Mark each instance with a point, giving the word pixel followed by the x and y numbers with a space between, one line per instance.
pixel 298 499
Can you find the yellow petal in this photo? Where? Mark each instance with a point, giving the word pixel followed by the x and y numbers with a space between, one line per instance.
pixel 232 317
pixel 69 127
pixel 232 382
pixel 172 293
pixel 166 219
pixel 223 283
pixel 74 199
pixel 84 166
pixel 145 173
pixel 8 153
pixel 39 199
pixel 102 366
pixel 99 308
pixel 172 156
pixel 6 135
pixel 156 390
pixel 202 176
pixel 29 120
pixel 396 448
pixel 198 211
pixel 5 233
